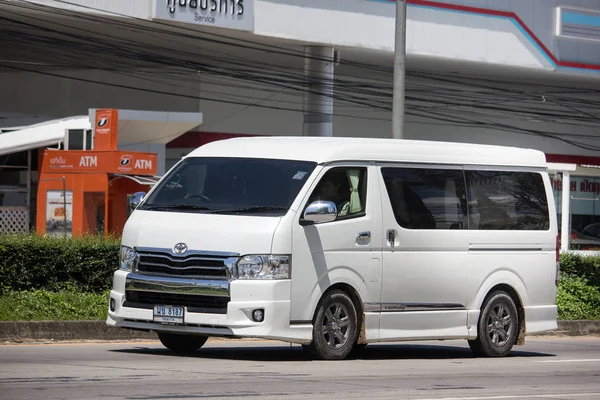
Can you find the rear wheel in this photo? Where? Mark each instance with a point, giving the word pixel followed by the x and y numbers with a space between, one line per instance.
pixel 182 343
pixel 335 328
pixel 497 328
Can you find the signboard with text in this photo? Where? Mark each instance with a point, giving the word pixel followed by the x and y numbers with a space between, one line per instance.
pixel 585 195
pixel 106 127
pixel 59 212
pixel 229 14
pixel 99 162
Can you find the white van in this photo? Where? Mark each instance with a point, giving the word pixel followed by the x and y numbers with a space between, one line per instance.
pixel 335 243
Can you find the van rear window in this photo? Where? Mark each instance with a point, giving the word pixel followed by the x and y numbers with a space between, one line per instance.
pixel 502 200
pixel 424 198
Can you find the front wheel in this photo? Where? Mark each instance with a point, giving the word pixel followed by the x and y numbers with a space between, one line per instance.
pixel 497 328
pixel 182 343
pixel 335 327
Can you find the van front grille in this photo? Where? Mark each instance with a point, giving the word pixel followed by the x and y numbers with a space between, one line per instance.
pixel 194 265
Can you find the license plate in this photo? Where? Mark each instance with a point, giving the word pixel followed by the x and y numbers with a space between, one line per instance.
pixel 168 314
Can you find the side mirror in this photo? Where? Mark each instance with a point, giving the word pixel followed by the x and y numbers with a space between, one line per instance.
pixel 320 211
pixel 136 199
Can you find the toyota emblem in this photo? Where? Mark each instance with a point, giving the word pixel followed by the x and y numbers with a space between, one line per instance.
pixel 180 248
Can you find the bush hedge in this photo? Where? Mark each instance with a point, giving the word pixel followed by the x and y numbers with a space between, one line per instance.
pixel 586 267
pixel 44 265
pixel 31 262
pixel 577 299
pixel 579 287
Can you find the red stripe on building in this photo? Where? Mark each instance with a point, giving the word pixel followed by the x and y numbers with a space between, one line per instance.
pixel 506 14
pixel 570 159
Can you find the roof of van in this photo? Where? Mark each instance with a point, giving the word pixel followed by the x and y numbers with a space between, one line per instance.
pixel 329 149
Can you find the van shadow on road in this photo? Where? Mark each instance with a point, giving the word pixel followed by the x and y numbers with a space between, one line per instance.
pixel 284 352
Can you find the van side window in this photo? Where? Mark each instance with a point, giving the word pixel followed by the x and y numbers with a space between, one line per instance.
pixel 427 198
pixel 506 200
pixel 346 187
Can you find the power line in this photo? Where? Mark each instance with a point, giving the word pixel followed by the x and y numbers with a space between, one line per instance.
pixel 443 98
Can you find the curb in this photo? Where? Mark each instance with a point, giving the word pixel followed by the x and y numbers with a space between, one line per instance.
pixel 98 330
pixel 67 330
pixel 577 328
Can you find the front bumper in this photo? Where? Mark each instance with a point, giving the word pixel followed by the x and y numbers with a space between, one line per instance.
pixel 227 312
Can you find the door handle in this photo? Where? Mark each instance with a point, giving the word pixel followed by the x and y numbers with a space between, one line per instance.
pixel 363 235
pixel 391 237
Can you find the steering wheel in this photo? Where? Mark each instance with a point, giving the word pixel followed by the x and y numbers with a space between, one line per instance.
pixel 196 196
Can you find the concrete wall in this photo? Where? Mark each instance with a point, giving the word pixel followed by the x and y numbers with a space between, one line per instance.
pixel 370 24
pixel 53 96
pixel 433 31
pixel 131 8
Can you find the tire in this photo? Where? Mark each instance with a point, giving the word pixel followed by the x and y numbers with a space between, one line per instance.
pixel 497 329
pixel 182 343
pixel 335 327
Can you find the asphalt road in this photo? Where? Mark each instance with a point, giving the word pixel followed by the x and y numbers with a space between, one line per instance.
pixel 548 368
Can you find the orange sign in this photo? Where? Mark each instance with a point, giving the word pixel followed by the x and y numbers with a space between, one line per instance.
pixel 99 162
pixel 106 129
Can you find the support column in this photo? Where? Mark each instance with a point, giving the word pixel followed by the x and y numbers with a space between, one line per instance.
pixel 318 97
pixel 28 202
pixel 565 228
pixel 399 71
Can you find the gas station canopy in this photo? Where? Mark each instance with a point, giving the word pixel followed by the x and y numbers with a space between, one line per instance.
pixel 142 180
pixel 136 126
pixel 133 127
pixel 45 134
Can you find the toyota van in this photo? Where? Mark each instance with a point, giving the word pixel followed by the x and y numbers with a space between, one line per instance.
pixel 335 243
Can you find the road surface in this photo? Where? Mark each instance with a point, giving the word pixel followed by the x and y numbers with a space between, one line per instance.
pixel 545 368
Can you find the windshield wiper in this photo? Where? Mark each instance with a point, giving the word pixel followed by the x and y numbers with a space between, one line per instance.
pixel 252 209
pixel 166 207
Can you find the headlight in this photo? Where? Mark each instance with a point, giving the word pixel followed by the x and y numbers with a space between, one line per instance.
pixel 264 267
pixel 128 258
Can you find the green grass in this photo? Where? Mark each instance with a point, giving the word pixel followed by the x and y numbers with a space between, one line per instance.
pixel 42 305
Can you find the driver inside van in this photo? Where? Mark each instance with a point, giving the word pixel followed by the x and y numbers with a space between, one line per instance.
pixel 331 189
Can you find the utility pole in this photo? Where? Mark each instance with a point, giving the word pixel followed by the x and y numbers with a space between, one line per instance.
pixel 399 70
pixel 319 66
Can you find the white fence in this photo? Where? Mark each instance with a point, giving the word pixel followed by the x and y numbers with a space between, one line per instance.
pixel 14 219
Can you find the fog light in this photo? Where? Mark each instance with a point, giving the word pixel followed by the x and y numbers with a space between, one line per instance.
pixel 113 304
pixel 258 315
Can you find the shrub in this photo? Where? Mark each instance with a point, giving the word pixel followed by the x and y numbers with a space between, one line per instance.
pixel 30 262
pixel 587 267
pixel 577 299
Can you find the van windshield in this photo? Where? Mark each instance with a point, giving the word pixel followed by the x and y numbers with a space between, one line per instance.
pixel 230 186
